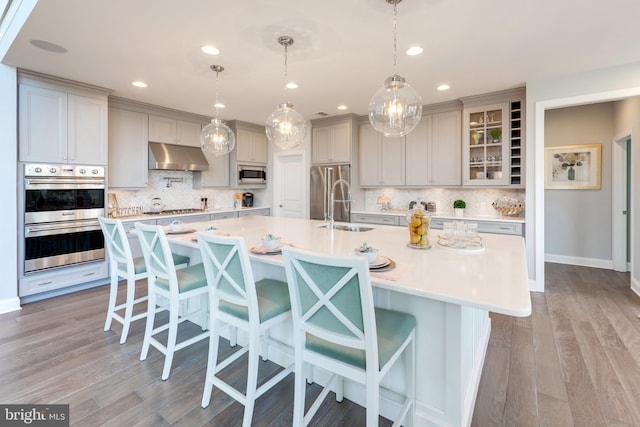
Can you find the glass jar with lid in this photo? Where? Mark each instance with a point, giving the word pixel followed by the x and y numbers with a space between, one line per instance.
pixel 419 221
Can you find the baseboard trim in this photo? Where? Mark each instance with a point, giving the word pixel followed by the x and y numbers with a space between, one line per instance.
pixel 9 304
pixel 583 262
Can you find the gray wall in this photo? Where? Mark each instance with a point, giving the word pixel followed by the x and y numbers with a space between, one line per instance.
pixel 578 222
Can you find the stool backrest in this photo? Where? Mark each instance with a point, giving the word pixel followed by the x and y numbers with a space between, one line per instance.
pixel 331 298
pixel 157 254
pixel 228 269
pixel 117 244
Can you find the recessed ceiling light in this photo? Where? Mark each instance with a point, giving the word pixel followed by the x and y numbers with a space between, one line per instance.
pixel 139 83
pixel 210 50
pixel 342 107
pixel 414 50
pixel 444 86
pixel 48 46
pixel 292 85
pixel 218 105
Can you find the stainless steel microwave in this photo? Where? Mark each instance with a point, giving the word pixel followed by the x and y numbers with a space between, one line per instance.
pixel 251 175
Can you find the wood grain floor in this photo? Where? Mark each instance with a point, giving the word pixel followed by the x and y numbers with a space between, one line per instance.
pixel 574 362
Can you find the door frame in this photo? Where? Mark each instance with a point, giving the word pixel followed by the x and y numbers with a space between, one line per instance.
pixel 278 157
pixel 621 146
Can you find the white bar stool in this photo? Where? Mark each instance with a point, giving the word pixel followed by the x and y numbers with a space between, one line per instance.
pixel 174 285
pixel 236 300
pixel 122 264
pixel 337 328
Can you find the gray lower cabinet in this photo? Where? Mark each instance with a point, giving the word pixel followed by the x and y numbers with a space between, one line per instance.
pixel 375 219
pixel 185 219
pixel 224 215
pixel 484 226
pixel 253 212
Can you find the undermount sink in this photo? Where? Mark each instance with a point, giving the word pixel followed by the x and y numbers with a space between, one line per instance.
pixel 345 227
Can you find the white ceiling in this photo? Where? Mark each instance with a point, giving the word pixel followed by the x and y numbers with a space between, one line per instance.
pixel 343 49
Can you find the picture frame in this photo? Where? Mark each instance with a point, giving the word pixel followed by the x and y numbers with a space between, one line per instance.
pixel 573 167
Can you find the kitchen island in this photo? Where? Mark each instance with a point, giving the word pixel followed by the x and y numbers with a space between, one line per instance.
pixel 449 293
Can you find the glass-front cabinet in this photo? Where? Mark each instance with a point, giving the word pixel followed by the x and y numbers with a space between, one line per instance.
pixel 486 143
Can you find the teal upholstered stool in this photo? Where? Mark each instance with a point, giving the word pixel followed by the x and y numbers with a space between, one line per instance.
pixel 337 328
pixel 122 264
pixel 174 285
pixel 237 300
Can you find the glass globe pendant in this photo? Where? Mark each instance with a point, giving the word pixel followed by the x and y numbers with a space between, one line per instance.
pixel 396 108
pixel 285 127
pixel 217 138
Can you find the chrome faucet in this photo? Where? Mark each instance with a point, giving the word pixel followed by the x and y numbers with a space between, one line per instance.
pixel 332 199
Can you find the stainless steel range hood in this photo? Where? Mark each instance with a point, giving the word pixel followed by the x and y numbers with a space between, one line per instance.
pixel 176 157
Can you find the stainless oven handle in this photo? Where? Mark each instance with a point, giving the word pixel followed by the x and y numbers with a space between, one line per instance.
pixel 53 181
pixel 51 229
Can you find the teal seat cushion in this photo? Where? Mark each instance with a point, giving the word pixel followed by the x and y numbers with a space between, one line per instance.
pixel 273 299
pixel 393 329
pixel 189 278
pixel 140 267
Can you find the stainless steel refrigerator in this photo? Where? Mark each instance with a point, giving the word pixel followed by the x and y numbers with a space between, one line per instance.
pixel 322 180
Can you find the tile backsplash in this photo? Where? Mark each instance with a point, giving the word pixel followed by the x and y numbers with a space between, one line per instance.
pixel 478 200
pixel 177 192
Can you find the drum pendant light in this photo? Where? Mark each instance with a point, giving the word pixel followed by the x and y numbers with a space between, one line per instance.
pixel 285 127
pixel 396 108
pixel 217 138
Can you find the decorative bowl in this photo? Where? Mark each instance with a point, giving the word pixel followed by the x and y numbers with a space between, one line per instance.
pixel 176 226
pixel 367 251
pixel 508 206
pixel 270 242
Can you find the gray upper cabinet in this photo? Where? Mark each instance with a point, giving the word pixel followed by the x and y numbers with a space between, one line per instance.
pixel 332 144
pixel 61 124
pixel 128 153
pixel 216 176
pixel 433 151
pixel 251 145
pixel 172 131
pixel 382 159
pixel 334 139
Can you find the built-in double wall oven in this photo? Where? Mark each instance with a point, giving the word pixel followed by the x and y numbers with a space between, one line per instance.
pixel 61 207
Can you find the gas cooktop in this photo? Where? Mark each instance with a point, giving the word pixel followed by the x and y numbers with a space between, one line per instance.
pixel 175 211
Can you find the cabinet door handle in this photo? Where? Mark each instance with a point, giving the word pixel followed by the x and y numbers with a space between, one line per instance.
pixel 89 274
pixel 48 282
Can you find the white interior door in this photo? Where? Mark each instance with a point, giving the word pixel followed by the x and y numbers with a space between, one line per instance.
pixel 620 215
pixel 290 190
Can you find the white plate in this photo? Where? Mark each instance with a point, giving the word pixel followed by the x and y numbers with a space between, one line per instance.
pixel 261 250
pixel 183 231
pixel 380 262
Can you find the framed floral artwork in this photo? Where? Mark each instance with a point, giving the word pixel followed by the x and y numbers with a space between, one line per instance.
pixel 573 167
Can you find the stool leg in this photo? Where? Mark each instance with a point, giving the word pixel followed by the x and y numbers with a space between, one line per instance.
pixel 113 294
pixel 171 339
pixel 151 316
pixel 252 375
pixel 128 309
pixel 300 389
pixel 373 398
pixel 212 363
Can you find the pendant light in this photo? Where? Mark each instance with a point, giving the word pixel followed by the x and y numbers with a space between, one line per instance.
pixel 285 127
pixel 395 109
pixel 217 138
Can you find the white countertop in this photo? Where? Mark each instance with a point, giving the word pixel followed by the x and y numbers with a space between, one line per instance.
pixel 494 280
pixel 449 215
